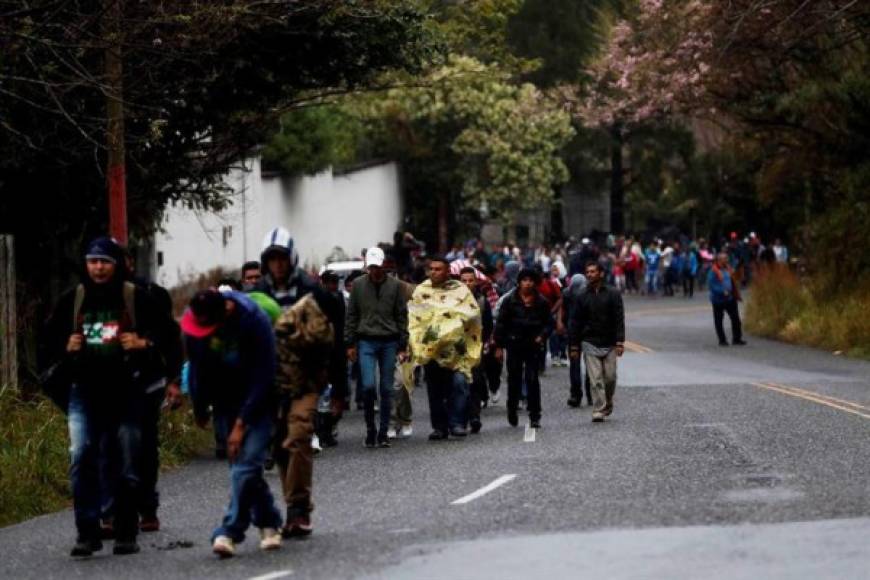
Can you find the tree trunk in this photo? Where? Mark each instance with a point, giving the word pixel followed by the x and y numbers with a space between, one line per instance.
pixel 443 222
pixel 115 170
pixel 8 322
pixel 617 186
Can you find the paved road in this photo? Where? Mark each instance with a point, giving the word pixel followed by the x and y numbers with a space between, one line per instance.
pixel 748 462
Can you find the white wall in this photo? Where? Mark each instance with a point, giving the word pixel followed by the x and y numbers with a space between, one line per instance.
pixel 355 210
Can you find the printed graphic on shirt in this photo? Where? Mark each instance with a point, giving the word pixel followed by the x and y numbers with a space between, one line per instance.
pixel 101 330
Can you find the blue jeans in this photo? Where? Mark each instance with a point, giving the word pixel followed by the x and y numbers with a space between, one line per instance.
pixel 98 426
pixel 448 397
pixel 250 497
pixel 651 281
pixel 381 354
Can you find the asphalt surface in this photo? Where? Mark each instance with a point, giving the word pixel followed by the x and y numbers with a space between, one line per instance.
pixel 738 462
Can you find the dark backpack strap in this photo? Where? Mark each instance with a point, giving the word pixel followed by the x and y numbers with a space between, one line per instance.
pixel 77 306
pixel 129 291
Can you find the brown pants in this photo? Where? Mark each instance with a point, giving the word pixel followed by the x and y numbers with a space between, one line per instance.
pixel 296 465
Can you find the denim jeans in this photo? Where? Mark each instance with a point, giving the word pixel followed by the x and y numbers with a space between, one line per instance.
pixel 250 497
pixel 148 499
pixel 380 354
pixel 448 397
pixel 651 281
pixel 98 426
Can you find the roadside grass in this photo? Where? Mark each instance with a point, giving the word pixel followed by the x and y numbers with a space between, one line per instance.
pixel 34 460
pixel 784 307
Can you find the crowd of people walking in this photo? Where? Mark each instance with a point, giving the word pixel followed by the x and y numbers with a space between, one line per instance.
pixel 272 355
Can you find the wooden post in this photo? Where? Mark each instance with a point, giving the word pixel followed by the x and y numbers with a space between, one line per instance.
pixel 116 170
pixel 8 325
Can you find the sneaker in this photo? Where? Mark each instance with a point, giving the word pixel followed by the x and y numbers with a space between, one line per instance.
pixel 574 403
pixel 85 547
pixel 125 547
pixel 270 539
pixel 224 547
pixel 298 524
pixel 513 419
pixel 437 435
pixel 383 440
pixel 597 417
pixel 315 445
pixel 739 343
pixel 149 523
pixel 391 433
pixel 370 439
pixel 407 431
pixel 459 432
pixel 494 399
pixel 476 425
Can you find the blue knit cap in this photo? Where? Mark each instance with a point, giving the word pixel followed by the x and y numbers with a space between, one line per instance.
pixel 104 248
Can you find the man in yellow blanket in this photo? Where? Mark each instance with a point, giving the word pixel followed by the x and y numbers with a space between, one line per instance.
pixel 444 323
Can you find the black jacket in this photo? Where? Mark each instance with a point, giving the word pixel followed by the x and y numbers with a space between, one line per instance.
pixel 598 318
pixel 97 369
pixel 519 325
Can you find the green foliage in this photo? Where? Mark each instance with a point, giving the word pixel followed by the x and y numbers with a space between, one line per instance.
pixel 561 35
pixel 494 144
pixel 313 138
pixel 34 456
pixel 204 83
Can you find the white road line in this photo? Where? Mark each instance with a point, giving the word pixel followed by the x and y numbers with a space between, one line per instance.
pixel 529 435
pixel 485 490
pixel 273 575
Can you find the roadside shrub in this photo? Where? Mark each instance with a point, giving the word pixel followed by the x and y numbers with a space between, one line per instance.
pixel 784 307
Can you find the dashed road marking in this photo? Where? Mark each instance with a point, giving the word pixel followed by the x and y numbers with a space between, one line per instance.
pixel 631 346
pixel 530 434
pixel 485 489
pixel 273 575
pixel 834 403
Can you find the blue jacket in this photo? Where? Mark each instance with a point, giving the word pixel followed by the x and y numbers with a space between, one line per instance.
pixel 721 291
pixel 233 370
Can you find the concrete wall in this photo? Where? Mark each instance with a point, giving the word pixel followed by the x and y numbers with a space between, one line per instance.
pixel 353 210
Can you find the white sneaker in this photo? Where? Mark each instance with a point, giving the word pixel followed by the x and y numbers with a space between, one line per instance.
pixel 315 444
pixel 270 539
pixel 391 433
pixel 494 399
pixel 224 547
pixel 407 431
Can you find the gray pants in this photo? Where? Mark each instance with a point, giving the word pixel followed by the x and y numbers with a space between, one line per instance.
pixel 602 378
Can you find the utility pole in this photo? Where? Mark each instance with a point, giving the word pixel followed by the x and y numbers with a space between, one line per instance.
pixel 116 172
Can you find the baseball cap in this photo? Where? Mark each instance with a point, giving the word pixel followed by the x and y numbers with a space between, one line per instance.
pixel 374 257
pixel 204 315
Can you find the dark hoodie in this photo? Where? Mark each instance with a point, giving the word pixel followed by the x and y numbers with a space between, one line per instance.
pixel 102 368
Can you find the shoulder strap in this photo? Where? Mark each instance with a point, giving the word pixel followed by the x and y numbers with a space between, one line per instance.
pixel 77 305
pixel 130 302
